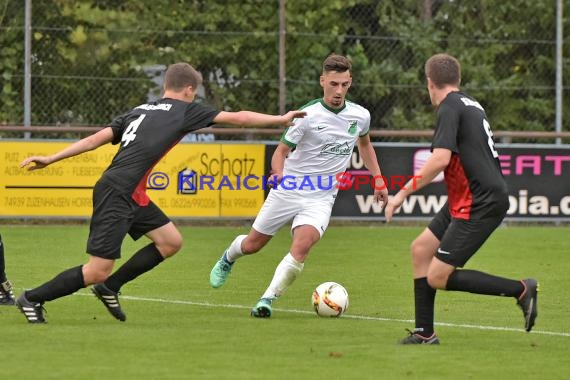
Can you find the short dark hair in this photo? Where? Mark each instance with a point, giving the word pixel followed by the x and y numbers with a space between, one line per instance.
pixel 338 63
pixel 181 75
pixel 443 69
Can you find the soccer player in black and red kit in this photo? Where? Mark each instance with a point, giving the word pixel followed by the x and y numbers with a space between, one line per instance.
pixel 464 150
pixel 120 204
pixel 6 292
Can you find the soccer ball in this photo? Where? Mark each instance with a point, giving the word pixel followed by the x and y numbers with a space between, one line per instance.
pixel 330 299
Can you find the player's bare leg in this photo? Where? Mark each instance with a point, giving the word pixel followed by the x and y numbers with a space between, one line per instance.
pixel 166 241
pixel 304 237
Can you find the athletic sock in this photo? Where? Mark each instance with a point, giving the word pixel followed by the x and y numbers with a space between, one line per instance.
pixel 234 251
pixel 285 274
pixel 65 283
pixel 424 296
pixel 466 280
pixel 142 261
pixel 2 262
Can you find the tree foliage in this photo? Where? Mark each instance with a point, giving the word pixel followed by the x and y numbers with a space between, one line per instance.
pixel 12 53
pixel 93 59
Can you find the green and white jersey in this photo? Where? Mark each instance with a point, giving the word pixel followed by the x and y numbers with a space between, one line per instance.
pixel 322 144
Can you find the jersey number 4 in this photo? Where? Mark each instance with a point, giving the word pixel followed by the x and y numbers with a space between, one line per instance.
pixel 131 132
pixel 490 141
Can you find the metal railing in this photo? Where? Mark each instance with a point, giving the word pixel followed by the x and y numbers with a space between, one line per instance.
pixel 253 133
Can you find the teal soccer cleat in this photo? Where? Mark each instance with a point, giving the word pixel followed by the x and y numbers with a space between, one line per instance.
pixel 220 272
pixel 262 308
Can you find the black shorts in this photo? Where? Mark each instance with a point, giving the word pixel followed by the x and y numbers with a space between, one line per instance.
pixel 440 222
pixel 459 238
pixel 116 214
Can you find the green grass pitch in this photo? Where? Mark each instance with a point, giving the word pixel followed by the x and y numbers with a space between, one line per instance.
pixel 179 328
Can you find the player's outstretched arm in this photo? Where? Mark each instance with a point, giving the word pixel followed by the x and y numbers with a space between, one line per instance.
pixel 255 119
pixel 88 143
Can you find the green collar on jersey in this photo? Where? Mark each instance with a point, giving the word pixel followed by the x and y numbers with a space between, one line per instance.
pixel 333 110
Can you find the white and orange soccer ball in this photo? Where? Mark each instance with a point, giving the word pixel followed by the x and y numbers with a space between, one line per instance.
pixel 330 299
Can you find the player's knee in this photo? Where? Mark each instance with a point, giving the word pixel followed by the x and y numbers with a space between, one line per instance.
pixel 171 247
pixel 414 248
pixel 420 252
pixel 437 280
pixel 95 275
pixel 176 245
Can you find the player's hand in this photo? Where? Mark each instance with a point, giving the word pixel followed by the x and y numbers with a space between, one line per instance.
pixel 274 179
pixel 39 162
pixel 393 204
pixel 381 196
pixel 292 115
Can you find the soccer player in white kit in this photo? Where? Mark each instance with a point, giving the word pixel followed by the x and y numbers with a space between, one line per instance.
pixel 307 163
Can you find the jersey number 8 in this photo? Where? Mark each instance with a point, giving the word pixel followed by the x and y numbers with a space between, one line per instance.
pixel 490 141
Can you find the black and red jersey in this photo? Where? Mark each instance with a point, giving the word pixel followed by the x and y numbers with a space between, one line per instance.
pixel 146 134
pixel 476 187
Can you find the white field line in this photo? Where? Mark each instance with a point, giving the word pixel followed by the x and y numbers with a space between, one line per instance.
pixel 359 317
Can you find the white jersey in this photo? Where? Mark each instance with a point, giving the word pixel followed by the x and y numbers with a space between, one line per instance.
pixel 323 142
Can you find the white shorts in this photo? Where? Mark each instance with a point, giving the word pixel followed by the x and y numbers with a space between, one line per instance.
pixel 280 207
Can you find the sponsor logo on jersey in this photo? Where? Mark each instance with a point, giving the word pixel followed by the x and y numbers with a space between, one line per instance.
pixel 337 149
pixel 352 127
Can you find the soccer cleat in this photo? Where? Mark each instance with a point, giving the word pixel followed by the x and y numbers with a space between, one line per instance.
pixel 528 302
pixel 262 308
pixel 6 294
pixel 220 272
pixel 33 311
pixel 415 338
pixel 110 299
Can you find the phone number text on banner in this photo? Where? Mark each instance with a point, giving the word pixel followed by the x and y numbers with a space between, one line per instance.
pixel 192 180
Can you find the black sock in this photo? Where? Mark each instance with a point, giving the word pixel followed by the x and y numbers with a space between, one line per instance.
pixel 65 283
pixel 472 281
pixel 142 261
pixel 2 263
pixel 424 300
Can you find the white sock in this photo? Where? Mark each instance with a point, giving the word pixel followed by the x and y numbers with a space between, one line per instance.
pixel 234 250
pixel 285 273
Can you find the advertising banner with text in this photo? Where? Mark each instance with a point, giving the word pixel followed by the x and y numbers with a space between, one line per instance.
pixel 193 180
pixel 538 179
